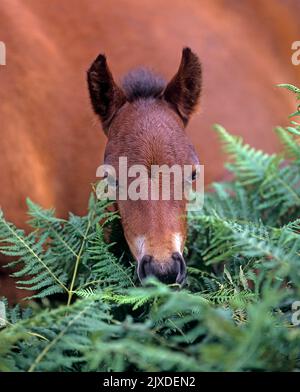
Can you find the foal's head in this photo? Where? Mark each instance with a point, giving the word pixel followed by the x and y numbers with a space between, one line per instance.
pixel 145 121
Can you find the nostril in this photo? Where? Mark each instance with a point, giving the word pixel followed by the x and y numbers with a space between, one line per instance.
pixel 181 275
pixel 143 269
pixel 167 272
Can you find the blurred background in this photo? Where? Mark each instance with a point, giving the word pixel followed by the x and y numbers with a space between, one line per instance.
pixel 50 141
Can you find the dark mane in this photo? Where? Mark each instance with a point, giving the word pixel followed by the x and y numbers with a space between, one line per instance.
pixel 142 83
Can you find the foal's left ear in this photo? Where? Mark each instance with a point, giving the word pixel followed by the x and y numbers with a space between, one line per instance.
pixel 183 91
pixel 106 96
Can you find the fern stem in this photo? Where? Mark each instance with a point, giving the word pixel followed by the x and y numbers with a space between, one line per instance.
pixel 70 291
pixel 37 335
pixel 92 282
pixel 62 240
pixel 58 337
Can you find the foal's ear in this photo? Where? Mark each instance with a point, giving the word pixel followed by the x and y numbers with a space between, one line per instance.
pixel 183 91
pixel 106 97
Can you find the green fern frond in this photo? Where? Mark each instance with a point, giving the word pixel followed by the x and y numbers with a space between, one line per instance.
pixel 249 165
pixel 34 257
pixel 290 142
pixel 236 313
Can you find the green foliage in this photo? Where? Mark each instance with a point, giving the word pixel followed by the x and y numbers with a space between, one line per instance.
pixel 88 313
pixel 295 129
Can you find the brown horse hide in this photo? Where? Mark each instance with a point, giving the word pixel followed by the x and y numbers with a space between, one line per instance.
pixel 51 143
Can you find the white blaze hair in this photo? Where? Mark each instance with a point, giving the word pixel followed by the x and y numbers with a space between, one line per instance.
pixel 177 242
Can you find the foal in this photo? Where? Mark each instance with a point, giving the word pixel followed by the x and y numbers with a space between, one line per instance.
pixel 145 121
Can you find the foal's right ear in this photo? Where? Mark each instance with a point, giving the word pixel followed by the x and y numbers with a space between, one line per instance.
pixel 183 91
pixel 106 97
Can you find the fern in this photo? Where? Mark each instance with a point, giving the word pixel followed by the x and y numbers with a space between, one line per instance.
pixel 249 165
pixel 290 142
pixel 60 333
pixel 235 314
pixel 37 261
pixel 58 255
pixel 103 263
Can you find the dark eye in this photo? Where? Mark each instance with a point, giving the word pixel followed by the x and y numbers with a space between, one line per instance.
pixel 194 175
pixel 111 180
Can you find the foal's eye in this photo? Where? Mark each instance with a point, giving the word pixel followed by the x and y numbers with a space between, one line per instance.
pixel 111 180
pixel 194 175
